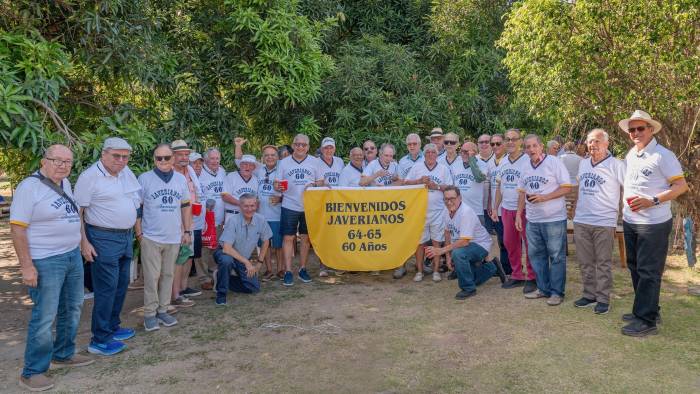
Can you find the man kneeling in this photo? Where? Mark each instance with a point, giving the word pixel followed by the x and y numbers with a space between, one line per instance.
pixel 240 237
pixel 469 243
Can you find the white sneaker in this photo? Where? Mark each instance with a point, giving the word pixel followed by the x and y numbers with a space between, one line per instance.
pixel 322 273
pixel 418 277
pixel 436 276
pixel 89 295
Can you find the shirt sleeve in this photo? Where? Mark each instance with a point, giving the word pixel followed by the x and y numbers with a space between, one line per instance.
pixel 142 190
pixel 185 192
pixel 670 167
pixel 228 187
pixel 229 233
pixel 620 171
pixel 22 205
pixel 562 174
pixel 84 189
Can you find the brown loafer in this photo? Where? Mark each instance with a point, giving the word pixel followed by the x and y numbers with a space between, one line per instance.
pixel 38 382
pixel 78 360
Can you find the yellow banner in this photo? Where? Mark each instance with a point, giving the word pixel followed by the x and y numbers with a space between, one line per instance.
pixel 365 229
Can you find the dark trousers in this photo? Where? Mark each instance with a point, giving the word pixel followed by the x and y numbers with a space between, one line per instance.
pixel 240 283
pixel 110 279
pixel 498 226
pixel 646 246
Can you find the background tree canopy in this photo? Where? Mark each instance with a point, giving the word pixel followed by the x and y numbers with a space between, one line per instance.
pixel 76 71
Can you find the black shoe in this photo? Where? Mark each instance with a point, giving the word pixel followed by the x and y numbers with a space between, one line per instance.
pixel 452 275
pixel 190 292
pixel 629 317
pixel 512 283
pixel 499 270
pixel 601 308
pixel 639 328
pixel 583 302
pixel 465 294
pixel 443 268
pixel 530 286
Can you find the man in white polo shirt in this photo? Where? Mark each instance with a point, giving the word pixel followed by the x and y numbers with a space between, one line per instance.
pixel 494 165
pixel 352 173
pixel 164 224
pixel 239 183
pixel 45 228
pixel 300 171
pixel 330 165
pixel 543 185
pixel 108 196
pixel 600 179
pixel 370 151
pixel 653 179
pixel 436 177
pixel 383 171
pixel 468 175
pixel 466 245
pixel 212 179
pixel 414 155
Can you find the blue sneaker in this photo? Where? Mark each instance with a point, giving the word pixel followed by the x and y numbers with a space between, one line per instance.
pixel 220 300
pixel 122 334
pixel 288 279
pixel 304 276
pixel 106 349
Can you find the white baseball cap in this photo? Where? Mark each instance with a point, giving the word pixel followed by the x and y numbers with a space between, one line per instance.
pixel 248 159
pixel 328 141
pixel 194 156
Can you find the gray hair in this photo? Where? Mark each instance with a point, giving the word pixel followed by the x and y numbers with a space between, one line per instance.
pixel 387 145
pixel 413 136
pixel 535 136
pixel 430 146
pixel 247 196
pixel 551 144
pixel 50 150
pixel 301 138
pixel 497 135
pixel 211 150
pixel 606 137
pixel 163 145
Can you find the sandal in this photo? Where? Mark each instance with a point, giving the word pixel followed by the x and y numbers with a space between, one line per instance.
pixel 268 276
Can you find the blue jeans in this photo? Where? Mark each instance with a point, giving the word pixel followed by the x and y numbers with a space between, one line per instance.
pixel 58 296
pixel 470 271
pixel 547 251
pixel 110 279
pixel 239 284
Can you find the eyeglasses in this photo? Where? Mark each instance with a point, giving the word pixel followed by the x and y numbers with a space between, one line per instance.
pixel 411 143
pixel 117 156
pixel 496 143
pixel 637 129
pixel 450 142
pixel 484 142
pixel 59 162
pixel 300 144
pixel 371 148
pixel 447 199
pixel 512 139
pixel 163 158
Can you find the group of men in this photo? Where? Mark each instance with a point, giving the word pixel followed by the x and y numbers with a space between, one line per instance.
pixel 504 185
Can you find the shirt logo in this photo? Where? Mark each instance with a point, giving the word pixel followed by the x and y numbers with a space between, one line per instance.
pixel 535 182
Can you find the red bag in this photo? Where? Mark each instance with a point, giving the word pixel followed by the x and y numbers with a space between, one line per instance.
pixel 209 233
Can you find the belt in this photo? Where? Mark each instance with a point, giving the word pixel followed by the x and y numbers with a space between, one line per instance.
pixel 231 211
pixel 111 230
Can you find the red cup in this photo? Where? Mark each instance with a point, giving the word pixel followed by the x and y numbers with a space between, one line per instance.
pixel 284 184
pixel 629 201
pixel 196 209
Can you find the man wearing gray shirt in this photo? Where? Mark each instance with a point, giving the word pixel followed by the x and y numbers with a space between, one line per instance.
pixel 236 245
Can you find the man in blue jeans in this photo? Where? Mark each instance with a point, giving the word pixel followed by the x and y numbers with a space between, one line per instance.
pixel 107 194
pixel 45 229
pixel 468 244
pixel 241 235
pixel 543 184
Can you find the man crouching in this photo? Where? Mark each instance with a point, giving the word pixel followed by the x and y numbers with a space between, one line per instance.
pixel 469 243
pixel 240 237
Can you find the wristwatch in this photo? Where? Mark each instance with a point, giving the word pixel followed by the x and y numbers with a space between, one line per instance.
pixel 188 232
pixel 656 200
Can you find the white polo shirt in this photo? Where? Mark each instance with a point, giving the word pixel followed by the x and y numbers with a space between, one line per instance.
pixel 406 163
pixel 236 186
pixel 599 191
pixel 546 177
pixel 161 219
pixel 213 187
pixel 445 162
pixel 109 201
pixel 508 179
pixel 471 191
pixel 350 176
pixel 376 166
pixel 299 174
pixel 438 174
pixel 571 161
pixel 649 173
pixel 53 225
pixel 484 166
pixel 331 173
pixel 494 170
pixel 266 178
pixel 466 225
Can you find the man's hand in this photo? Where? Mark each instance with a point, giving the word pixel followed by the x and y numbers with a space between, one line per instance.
pixel 239 141
pixel 88 251
pixel 381 173
pixel 29 276
pixel 186 239
pixel 431 252
pixel 641 203
pixel 518 222
pixel 537 198
pixel 494 215
pixel 252 268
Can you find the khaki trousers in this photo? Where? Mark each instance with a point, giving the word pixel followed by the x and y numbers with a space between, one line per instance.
pixel 594 245
pixel 203 264
pixel 158 267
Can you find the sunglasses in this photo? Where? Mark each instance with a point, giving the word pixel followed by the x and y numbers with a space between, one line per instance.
pixel 117 156
pixel 163 158
pixel 484 142
pixel 371 148
pixel 448 142
pixel 637 129
pixel 300 144
pixel 512 139
pixel 496 143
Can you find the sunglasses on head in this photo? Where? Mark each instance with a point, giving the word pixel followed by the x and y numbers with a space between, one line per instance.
pixel 450 142
pixel 496 143
pixel 637 129
pixel 163 158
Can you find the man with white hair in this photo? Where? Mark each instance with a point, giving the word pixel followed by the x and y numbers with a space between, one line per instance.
pixel 468 176
pixel 542 187
pixel 212 179
pixel 601 178
pixel 352 173
pixel 451 143
pixel 412 157
pixel 300 171
pixel 653 179
pixel 238 183
pixel 382 171
pixel 435 177
pixel 553 148
pixel 108 195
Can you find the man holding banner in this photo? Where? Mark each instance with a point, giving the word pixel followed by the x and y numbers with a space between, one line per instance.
pixel 352 173
pixel 382 171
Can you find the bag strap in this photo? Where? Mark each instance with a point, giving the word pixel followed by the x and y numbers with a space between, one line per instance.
pixel 58 189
